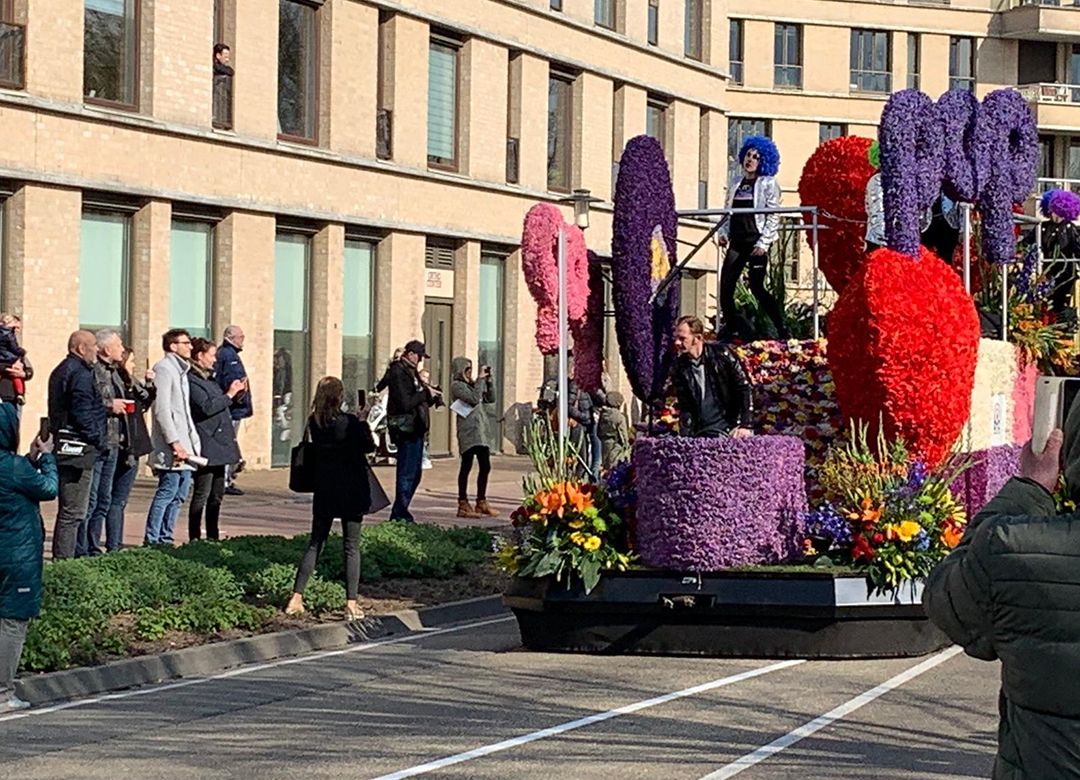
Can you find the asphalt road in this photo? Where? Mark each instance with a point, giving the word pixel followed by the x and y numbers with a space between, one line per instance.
pixel 468 702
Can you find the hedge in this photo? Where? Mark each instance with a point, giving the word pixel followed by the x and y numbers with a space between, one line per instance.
pixel 93 607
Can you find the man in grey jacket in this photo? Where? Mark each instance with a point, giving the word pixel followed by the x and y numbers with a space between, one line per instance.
pixel 174 437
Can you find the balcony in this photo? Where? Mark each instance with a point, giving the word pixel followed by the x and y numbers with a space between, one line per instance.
pixel 12 56
pixel 1055 20
pixel 223 102
pixel 1055 106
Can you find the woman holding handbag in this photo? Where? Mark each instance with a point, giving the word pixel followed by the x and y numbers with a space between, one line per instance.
pixel 335 448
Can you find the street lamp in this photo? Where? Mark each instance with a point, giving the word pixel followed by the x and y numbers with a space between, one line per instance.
pixel 581 200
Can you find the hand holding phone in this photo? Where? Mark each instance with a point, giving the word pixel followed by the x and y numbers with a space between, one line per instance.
pixel 43 429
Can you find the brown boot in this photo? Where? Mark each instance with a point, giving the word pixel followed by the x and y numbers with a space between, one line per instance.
pixel 464 509
pixel 484 508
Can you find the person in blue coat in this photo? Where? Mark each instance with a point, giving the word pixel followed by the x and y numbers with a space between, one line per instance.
pixel 229 368
pixel 24 483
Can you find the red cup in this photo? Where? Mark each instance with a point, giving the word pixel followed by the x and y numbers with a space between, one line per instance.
pixel 129 406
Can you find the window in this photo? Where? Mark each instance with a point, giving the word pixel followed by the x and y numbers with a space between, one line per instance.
pixel 1036 62
pixel 191 252
pixel 914 57
pixel 490 352
pixel 384 116
pixel 870 61
pixel 656 120
pixel 110 51
pixel 357 326
pixel 828 131
pixel 604 13
pixel 703 159
pixel 442 103
pixel 738 131
pixel 104 270
pixel 735 50
pixel 560 126
pixel 694 44
pixel 1046 156
pixel 12 49
pixel 654 22
pixel 297 71
pixel 556 5
pixel 291 366
pixel 962 63
pixel 787 56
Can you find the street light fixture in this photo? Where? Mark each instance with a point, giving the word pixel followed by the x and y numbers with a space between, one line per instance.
pixel 582 201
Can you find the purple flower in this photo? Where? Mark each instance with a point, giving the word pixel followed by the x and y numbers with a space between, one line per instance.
pixel 1013 146
pixel 993 468
pixel 826 523
pixel 965 127
pixel 912 164
pixel 917 475
pixel 644 200
pixel 922 541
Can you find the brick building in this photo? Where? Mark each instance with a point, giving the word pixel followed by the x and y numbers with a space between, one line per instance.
pixel 362 178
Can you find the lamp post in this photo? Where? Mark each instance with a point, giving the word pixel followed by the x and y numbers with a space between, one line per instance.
pixel 582 201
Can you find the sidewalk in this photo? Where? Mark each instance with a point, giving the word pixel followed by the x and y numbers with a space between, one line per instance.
pixel 268 507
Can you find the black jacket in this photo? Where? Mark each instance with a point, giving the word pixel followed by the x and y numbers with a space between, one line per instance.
pixel 729 383
pixel 407 395
pixel 74 402
pixel 341 484
pixel 137 433
pixel 210 413
pixel 227 369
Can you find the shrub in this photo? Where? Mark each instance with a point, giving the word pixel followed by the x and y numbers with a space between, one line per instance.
pixel 274 585
pixel 200 614
pixel 398 549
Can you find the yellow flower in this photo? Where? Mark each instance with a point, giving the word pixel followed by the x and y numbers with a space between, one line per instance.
pixel 576 523
pixel 578 538
pixel 905 531
pixel 592 543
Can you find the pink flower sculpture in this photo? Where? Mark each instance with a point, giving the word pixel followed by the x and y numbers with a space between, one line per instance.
pixel 539 263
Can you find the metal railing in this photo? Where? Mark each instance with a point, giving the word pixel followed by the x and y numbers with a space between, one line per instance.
pixel 1046 184
pixel 223 103
pixel 12 55
pixel 1050 93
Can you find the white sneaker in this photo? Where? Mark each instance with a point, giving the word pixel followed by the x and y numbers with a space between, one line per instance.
pixel 425 464
pixel 14 703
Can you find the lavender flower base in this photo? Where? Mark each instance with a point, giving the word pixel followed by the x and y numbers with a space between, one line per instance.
pixel 710 504
pixel 993 467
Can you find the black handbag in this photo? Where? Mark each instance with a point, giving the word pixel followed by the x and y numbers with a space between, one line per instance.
pixel 379 499
pixel 72 451
pixel 402 423
pixel 302 465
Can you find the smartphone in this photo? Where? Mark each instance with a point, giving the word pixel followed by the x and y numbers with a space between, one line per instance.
pixel 43 429
pixel 361 399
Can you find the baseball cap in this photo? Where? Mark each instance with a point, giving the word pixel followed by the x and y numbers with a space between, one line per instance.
pixel 418 348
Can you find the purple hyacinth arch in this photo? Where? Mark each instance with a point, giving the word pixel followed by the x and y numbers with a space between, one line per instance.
pixel 966 145
pixel 642 252
pixel 1014 153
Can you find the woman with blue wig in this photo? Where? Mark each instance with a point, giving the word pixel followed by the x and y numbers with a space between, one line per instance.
pixel 1060 243
pixel 749 236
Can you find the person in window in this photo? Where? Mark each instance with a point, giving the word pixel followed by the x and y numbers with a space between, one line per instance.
pixel 1060 242
pixel 749 236
pixel 713 390
pixel 222 58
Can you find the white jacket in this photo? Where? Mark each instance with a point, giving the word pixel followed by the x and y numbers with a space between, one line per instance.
pixel 766 196
pixel 171 414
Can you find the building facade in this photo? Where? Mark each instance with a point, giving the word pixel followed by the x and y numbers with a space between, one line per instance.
pixel 362 177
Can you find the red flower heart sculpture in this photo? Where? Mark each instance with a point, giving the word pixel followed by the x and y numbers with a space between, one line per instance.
pixel 903 343
pixel 834 180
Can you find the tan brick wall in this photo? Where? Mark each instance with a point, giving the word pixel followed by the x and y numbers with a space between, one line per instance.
pixel 348 77
pixel 327 297
pixel 684 145
pixel 594 104
pixel 407 50
pixel 399 292
pixel 177 61
pixel 482 107
pixel 255 83
pixel 534 93
pixel 149 291
pixel 54 49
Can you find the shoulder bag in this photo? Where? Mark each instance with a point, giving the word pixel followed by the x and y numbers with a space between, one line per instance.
pixel 302 465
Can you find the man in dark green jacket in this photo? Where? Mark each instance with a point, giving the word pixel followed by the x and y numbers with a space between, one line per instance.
pixel 1011 591
pixel 24 482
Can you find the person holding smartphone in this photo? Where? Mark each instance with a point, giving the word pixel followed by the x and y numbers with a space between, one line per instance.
pixel 476 429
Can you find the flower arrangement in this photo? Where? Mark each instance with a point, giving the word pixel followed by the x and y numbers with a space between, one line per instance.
pixel 887 355
pixel 643 250
pixel 834 179
pixel 886 512
pixel 565 527
pixel 539 264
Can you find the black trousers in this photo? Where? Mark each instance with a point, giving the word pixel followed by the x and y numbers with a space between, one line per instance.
pixel 320 531
pixel 1063 277
pixel 483 460
pixel 738 257
pixel 207 492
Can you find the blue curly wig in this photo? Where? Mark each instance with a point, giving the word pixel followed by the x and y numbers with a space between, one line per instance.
pixel 1061 202
pixel 766 149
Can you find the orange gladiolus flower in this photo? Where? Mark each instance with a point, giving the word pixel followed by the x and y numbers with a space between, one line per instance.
pixel 951 535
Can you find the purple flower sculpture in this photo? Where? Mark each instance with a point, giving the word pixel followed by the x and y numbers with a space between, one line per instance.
pixel 1013 148
pixel 642 250
pixel 993 468
pixel 965 130
pixel 912 165
pixel 710 504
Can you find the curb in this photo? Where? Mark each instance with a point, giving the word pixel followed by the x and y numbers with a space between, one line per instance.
pixel 210 659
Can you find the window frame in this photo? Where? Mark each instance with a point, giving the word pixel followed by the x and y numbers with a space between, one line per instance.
pixel 613 10
pixel 914 69
pixel 211 262
pixel 568 79
pixel 955 80
pixel 128 216
pixel 694 45
pixel 354 239
pixel 316 86
pixel 660 104
pixel 136 71
pixel 652 23
pixel 555 5
pixel 843 127
pixel 737 73
pixel 437 39
pixel 782 54
pixel 859 54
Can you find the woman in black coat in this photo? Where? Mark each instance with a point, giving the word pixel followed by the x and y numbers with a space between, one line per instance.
pixel 339 445
pixel 134 444
pixel 217 437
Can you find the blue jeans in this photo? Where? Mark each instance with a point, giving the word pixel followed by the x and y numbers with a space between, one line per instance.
pixel 121 490
pixel 100 498
pixel 410 462
pixel 171 491
pixel 594 452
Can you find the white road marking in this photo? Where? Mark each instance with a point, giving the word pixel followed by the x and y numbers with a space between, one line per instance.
pixel 243 670
pixel 599 717
pixel 807 729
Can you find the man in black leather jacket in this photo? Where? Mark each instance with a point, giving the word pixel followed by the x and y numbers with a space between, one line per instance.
pixel 714 393
pixel 408 399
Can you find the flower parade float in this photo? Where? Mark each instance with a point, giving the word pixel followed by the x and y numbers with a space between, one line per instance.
pixel 810 539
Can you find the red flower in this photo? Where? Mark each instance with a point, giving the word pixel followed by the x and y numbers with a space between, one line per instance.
pixel 879 538
pixel 862 549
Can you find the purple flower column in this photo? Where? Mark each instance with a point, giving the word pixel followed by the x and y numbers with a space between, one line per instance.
pixel 710 504
pixel 1013 149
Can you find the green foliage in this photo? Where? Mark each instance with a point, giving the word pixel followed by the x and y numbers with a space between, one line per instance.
pixel 208 587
